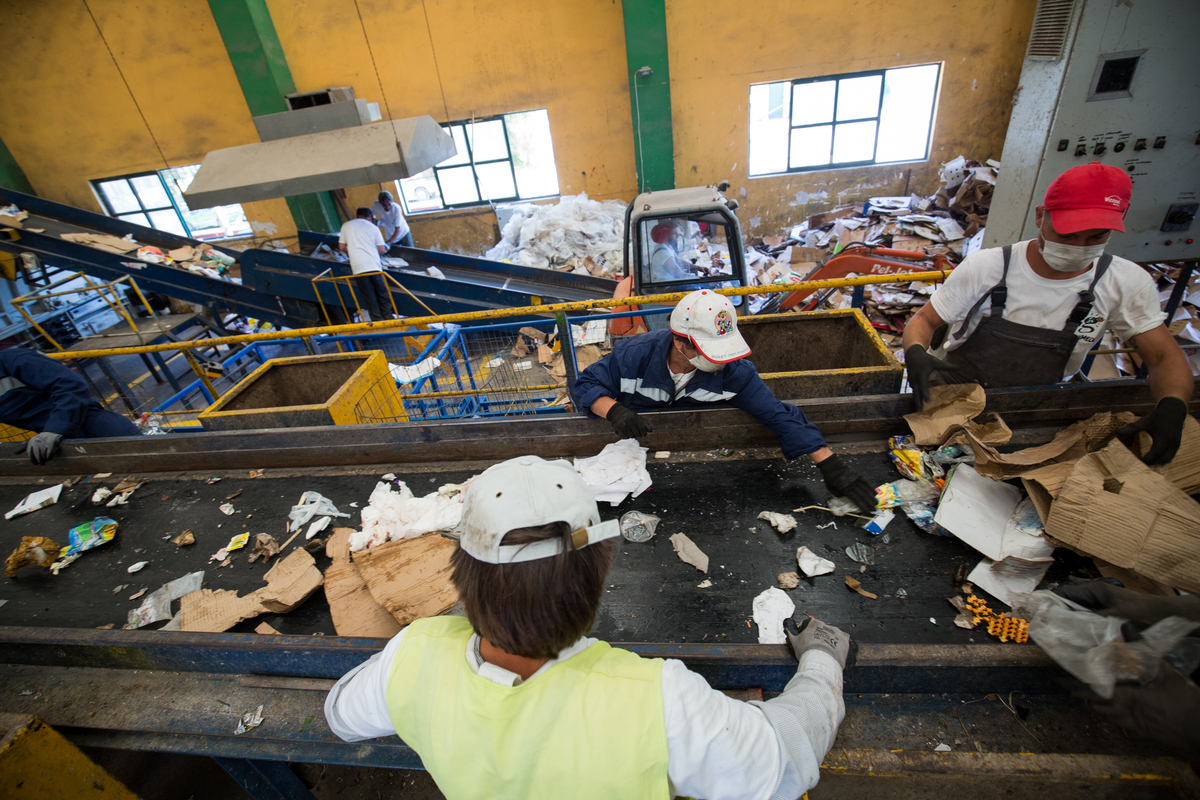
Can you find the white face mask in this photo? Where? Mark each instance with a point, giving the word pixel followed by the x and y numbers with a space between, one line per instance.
pixel 1069 257
pixel 704 365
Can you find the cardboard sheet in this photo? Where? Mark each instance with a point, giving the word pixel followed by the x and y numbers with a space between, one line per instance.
pixel 289 583
pixel 1114 507
pixel 410 578
pixel 354 610
pixel 1068 444
pixel 954 407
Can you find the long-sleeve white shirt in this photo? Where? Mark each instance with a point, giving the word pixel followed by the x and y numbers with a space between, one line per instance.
pixel 717 747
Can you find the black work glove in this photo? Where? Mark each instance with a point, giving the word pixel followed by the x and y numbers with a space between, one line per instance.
pixel 845 482
pixel 42 447
pixel 1108 600
pixel 627 424
pixel 816 635
pixel 1165 426
pixel 920 366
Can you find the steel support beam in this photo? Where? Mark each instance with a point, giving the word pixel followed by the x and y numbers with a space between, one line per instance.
pixel 263 73
pixel 11 174
pixel 650 94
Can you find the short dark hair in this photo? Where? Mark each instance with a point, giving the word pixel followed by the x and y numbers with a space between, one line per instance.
pixel 364 213
pixel 682 339
pixel 534 608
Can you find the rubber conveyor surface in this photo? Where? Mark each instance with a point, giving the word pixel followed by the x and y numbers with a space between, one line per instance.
pixel 652 596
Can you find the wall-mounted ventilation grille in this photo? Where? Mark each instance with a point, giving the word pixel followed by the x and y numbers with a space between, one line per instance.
pixel 1051 25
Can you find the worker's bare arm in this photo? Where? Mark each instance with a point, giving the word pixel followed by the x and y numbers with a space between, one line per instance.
pixel 343 247
pixel 383 248
pixel 601 406
pixel 921 327
pixel 1170 373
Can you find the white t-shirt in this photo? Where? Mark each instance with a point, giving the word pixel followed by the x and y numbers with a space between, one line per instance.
pixel 680 379
pixel 394 223
pixel 363 240
pixel 1126 299
pixel 717 747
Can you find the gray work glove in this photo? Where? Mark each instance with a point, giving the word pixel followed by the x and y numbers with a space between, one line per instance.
pixel 1109 600
pixel 816 635
pixel 42 447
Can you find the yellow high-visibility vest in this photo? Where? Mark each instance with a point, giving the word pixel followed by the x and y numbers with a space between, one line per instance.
pixel 589 727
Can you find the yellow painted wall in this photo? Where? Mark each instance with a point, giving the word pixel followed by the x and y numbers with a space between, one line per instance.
pixel 716 55
pixel 128 87
pixel 458 58
pixel 139 86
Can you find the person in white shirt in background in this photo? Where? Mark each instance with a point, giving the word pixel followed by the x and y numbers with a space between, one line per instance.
pixel 1027 314
pixel 395 226
pixel 515 701
pixel 361 240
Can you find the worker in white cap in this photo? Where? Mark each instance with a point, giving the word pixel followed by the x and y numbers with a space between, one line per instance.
pixel 699 361
pixel 516 701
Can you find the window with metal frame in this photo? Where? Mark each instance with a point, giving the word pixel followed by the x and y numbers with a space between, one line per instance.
pixel 499 159
pixel 856 119
pixel 155 200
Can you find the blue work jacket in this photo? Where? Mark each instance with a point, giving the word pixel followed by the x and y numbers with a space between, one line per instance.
pixel 41 395
pixel 635 374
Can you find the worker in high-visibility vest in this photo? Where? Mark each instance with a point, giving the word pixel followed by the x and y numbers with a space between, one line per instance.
pixel 516 701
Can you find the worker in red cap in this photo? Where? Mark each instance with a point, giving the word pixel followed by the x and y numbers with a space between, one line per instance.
pixel 666 243
pixel 1027 314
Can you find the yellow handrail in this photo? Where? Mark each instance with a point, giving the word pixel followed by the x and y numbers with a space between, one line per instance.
pixel 501 313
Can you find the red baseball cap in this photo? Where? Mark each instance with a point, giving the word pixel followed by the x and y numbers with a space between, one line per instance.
pixel 1089 196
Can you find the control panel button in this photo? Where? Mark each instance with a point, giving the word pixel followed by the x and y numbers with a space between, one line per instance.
pixel 1081 150
pixel 1100 149
pixel 1118 147
pixel 1063 144
pixel 1140 144
pixel 1160 142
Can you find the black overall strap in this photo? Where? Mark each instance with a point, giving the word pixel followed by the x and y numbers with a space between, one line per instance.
pixel 998 293
pixel 1087 298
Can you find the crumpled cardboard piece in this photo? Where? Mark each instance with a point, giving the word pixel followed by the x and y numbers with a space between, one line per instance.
pixel 954 407
pixel 289 583
pixel 1116 508
pixel 689 553
pixel 354 610
pixel 410 577
pixel 1068 444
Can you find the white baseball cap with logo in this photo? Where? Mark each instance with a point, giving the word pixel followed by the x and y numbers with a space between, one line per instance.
pixel 528 492
pixel 709 320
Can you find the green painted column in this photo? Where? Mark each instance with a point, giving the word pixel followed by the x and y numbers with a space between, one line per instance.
pixel 262 70
pixel 650 95
pixel 11 174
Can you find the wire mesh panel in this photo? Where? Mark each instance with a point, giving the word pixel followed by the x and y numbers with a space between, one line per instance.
pixel 512 369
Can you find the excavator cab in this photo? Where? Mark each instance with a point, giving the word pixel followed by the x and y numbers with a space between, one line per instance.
pixel 680 240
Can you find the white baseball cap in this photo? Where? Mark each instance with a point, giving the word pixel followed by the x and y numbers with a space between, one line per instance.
pixel 528 492
pixel 709 320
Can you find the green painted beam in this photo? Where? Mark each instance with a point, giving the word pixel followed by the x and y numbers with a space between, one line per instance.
pixel 262 70
pixel 650 96
pixel 256 53
pixel 11 174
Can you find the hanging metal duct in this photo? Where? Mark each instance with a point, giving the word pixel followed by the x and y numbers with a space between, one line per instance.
pixel 317 162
